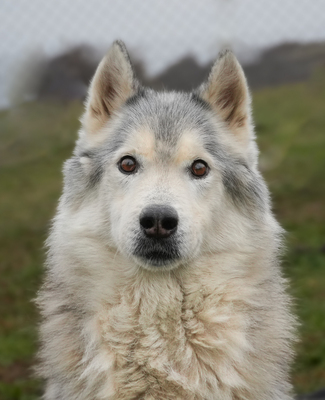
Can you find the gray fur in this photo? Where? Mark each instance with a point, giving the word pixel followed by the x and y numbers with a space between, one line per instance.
pixel 168 120
pixel 210 319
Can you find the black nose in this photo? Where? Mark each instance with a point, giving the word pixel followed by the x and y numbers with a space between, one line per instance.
pixel 159 221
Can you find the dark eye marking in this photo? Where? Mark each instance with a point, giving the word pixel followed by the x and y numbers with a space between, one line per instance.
pixel 199 169
pixel 127 165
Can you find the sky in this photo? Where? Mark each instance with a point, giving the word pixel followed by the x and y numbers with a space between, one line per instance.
pixel 158 32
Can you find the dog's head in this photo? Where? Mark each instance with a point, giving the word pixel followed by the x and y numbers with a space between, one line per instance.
pixel 163 177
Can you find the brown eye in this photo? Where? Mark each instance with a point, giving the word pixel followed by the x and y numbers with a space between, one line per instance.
pixel 127 164
pixel 199 168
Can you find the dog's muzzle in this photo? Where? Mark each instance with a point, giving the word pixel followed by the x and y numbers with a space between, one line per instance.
pixel 157 244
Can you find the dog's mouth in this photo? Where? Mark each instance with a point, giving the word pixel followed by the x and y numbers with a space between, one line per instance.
pixel 158 258
pixel 157 253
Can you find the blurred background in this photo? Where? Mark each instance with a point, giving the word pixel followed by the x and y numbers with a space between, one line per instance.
pixel 48 54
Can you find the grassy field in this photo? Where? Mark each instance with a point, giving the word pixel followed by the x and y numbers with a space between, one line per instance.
pixel 36 138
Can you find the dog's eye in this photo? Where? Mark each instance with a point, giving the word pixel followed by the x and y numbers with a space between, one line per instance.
pixel 127 164
pixel 199 168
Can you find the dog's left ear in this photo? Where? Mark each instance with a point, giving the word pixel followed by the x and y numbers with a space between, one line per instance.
pixel 227 93
pixel 114 82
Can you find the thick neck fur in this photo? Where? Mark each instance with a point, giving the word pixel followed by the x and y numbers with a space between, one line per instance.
pixel 217 327
pixel 195 333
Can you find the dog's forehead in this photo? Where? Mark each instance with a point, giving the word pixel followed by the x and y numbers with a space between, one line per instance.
pixel 166 125
pixel 144 142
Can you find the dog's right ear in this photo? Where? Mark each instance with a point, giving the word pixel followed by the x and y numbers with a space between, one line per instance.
pixel 227 94
pixel 113 83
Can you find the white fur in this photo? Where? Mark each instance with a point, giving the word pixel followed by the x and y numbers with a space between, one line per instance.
pixel 213 325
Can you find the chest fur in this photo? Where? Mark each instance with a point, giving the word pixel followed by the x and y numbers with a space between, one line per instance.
pixel 173 342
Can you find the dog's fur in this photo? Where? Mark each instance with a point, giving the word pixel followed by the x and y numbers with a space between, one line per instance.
pixel 202 314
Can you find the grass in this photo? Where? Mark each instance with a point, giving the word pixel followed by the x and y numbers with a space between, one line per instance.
pixel 36 138
pixel 290 123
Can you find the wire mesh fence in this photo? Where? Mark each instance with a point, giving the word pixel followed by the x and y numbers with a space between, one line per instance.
pixel 51 49
pixel 156 32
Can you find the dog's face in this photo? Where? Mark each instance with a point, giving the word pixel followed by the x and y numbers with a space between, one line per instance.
pixel 161 179
pixel 168 173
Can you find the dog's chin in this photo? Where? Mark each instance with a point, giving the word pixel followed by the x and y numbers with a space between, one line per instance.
pixel 157 255
pixel 157 260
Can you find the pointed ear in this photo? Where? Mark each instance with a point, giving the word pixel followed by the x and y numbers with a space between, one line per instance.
pixel 113 83
pixel 227 93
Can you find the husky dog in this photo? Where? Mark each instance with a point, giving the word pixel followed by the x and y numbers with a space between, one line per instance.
pixel 163 279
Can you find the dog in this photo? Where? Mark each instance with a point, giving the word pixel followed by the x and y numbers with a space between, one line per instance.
pixel 163 279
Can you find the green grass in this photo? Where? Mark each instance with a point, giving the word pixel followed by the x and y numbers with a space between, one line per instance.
pixel 290 123
pixel 36 138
